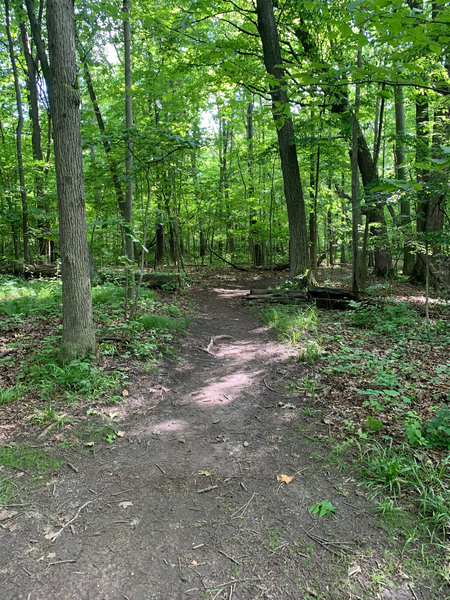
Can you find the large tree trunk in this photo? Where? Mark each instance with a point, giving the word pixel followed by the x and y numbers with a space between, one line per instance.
pixel 374 210
pixel 298 235
pixel 19 129
pixel 78 330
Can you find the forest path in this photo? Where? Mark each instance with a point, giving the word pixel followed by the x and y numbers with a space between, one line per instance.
pixel 187 503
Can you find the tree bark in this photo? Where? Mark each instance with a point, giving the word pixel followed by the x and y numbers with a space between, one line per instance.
pixel 78 337
pixel 298 235
pixel 42 203
pixel 314 192
pixel 255 245
pixel 105 141
pixel 19 129
pixel 400 159
pixel 356 211
pixel 128 208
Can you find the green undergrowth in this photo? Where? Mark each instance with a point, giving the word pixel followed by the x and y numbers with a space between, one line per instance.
pixel 393 408
pixel 298 327
pixel 142 330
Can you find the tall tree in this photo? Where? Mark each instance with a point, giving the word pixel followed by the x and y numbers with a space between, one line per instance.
pixel 128 207
pixel 42 203
pixel 78 336
pixel 400 164
pixel 298 235
pixel 19 130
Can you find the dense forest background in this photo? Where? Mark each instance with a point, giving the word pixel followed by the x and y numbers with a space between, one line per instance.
pixel 192 165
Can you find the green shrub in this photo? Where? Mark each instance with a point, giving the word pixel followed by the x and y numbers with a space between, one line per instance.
pixel 21 298
pixel 291 321
pixel 46 372
pixel 437 430
pixel 388 319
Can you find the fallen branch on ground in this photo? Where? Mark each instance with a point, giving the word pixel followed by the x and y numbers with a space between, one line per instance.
pixel 58 533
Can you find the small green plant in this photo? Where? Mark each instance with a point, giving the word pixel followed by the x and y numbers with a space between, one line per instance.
pixel 389 319
pixel 413 429
pixel 7 492
pixel 311 353
pixel 50 375
pixel 173 310
pixel 291 322
pixel 274 539
pixel 384 467
pixel 374 424
pixel 48 415
pixel 437 430
pixel 324 508
pixel 93 432
pixel 310 386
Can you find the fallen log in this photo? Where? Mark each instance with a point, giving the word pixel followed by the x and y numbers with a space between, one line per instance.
pixel 331 298
pixel 227 261
pixel 278 296
pixel 29 271
pixel 149 280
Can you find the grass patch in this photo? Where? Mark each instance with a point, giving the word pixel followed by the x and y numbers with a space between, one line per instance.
pixel 395 474
pixel 7 492
pixel 12 394
pixel 36 463
pixel 297 325
pixel 32 460
pixel 291 322
pixel 20 298
pixel 163 323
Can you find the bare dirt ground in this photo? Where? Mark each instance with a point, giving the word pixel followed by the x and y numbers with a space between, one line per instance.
pixel 187 503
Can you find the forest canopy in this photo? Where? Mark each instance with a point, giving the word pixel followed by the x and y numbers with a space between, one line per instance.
pixel 241 123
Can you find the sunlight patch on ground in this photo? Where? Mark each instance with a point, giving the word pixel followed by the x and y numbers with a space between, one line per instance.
pixel 167 426
pixel 224 390
pixel 235 293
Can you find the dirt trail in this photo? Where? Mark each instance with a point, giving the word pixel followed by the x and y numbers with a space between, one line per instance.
pixel 187 503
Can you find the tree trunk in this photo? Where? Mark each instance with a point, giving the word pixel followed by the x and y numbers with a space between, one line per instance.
pixel 298 235
pixel 42 203
pixel 422 150
pixel 78 337
pixel 400 160
pixel 101 126
pixel 255 245
pixel 314 192
pixel 128 208
pixel 159 248
pixel 356 211
pixel 19 129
